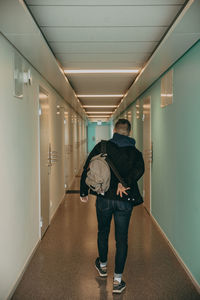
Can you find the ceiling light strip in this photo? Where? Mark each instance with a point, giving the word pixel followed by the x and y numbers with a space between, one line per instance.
pixel 99 96
pixel 98 71
pixel 99 112
pixel 96 117
pixel 99 106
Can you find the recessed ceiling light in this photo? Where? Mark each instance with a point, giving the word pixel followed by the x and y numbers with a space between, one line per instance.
pixel 97 71
pixel 99 96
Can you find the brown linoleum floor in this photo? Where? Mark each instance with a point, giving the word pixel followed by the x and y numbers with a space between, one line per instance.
pixel 63 265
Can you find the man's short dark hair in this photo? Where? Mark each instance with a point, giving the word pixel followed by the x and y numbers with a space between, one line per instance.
pixel 123 126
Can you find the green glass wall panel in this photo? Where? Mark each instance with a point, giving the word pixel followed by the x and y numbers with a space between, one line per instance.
pixel 176 165
pixel 176 159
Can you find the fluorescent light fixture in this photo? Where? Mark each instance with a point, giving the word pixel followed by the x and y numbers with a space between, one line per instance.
pixel 98 117
pixel 99 96
pixel 99 106
pixel 101 71
pixel 99 112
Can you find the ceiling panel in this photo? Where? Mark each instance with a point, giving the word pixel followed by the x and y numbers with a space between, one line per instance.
pixel 107 16
pixel 103 34
pixel 101 84
pixel 183 34
pixel 100 109
pixel 106 34
pixel 97 77
pixel 109 47
pixel 102 65
pixel 99 101
pixel 104 2
pixel 105 57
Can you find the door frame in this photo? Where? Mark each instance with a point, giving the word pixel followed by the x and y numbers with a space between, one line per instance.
pixel 148 155
pixel 41 235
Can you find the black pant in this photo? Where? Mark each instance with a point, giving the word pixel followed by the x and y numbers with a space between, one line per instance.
pixel 121 210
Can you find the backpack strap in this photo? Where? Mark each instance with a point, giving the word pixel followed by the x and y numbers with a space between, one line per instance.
pixel 103 146
pixel 115 171
pixel 110 163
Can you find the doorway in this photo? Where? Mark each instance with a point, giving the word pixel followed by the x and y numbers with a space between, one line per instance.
pixel 67 150
pixel 102 133
pixel 147 153
pixel 45 164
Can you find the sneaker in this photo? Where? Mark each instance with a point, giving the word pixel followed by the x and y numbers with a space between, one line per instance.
pixel 102 270
pixel 118 287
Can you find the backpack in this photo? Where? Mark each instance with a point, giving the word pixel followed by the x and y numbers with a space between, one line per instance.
pixel 98 175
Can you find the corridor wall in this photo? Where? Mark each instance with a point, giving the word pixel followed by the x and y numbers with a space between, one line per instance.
pixel 176 160
pixel 19 171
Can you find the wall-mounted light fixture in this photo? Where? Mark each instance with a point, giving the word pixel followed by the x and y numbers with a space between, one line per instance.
pixel 166 95
pixel 27 77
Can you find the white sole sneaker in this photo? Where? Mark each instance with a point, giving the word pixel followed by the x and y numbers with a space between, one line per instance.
pixel 118 288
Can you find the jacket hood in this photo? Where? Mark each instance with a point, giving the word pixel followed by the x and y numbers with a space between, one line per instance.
pixel 122 140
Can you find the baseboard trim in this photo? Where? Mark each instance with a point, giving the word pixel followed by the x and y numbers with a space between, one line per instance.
pixel 194 282
pixel 23 271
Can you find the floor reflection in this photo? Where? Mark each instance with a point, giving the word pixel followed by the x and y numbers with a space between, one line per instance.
pixel 102 285
pixel 62 268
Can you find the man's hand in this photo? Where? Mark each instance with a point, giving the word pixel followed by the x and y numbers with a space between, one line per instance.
pixel 121 189
pixel 84 199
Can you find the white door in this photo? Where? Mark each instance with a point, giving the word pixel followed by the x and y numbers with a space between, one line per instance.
pixel 147 152
pixel 102 133
pixel 44 160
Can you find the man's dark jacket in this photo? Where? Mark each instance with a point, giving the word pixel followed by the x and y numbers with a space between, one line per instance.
pixel 128 161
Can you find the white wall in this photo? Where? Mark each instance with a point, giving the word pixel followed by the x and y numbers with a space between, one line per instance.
pixel 19 169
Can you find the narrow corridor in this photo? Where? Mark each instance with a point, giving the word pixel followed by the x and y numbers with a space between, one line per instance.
pixel 63 265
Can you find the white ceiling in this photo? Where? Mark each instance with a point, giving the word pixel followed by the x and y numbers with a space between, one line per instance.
pixel 99 34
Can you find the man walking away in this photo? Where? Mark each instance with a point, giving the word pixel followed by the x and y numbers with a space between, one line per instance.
pixel 129 162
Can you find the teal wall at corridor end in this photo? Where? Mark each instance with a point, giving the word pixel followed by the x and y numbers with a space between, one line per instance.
pixel 176 159
pixel 92 133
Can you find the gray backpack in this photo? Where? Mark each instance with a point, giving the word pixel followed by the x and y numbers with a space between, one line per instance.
pixel 98 175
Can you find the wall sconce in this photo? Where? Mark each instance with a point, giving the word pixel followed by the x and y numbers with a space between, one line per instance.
pixel 27 78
